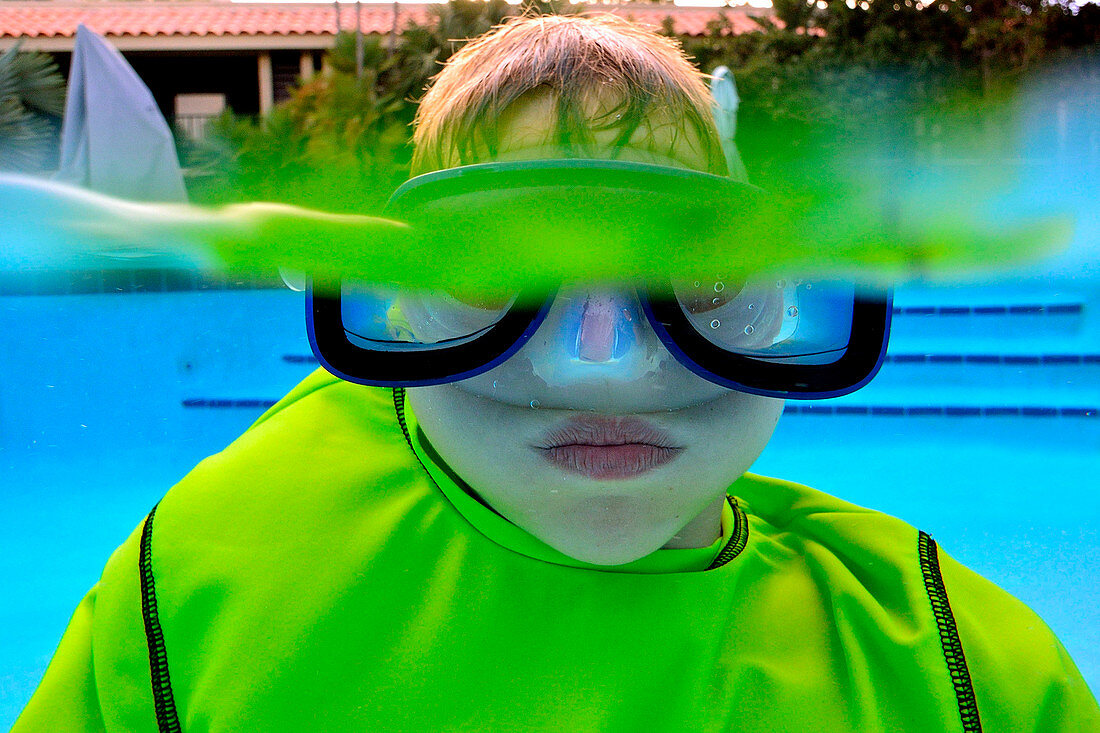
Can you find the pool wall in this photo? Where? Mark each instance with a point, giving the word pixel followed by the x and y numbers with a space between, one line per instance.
pixel 982 428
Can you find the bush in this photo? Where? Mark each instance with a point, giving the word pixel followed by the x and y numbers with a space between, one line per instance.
pixel 341 142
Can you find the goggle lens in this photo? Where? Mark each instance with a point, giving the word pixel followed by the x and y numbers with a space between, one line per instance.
pixel 785 319
pixel 388 318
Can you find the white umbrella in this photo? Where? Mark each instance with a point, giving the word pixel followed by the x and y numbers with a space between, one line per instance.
pixel 114 139
pixel 724 91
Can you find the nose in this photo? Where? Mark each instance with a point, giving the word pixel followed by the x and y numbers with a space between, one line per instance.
pixel 594 335
pixel 605 325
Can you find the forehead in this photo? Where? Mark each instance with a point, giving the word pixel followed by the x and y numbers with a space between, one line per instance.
pixel 529 130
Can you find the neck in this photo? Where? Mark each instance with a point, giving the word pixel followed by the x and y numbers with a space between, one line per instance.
pixel 701 531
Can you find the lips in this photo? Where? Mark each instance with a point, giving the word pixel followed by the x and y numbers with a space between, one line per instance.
pixel 608 448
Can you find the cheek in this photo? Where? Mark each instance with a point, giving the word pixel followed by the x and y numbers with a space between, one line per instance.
pixel 476 435
pixel 728 434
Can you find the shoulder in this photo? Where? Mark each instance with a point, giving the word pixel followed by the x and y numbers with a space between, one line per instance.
pixel 1023 678
pixel 799 513
pixel 313 462
pixel 322 425
pixel 341 403
pixel 998 651
pixel 863 564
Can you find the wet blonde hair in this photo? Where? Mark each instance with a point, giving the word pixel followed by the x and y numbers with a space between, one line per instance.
pixel 578 60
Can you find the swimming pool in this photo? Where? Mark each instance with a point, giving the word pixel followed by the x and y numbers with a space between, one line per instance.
pixel 983 429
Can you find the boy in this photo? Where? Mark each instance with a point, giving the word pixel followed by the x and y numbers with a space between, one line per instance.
pixel 544 536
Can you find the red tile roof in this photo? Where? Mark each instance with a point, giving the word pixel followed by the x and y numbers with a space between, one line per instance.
pixel 59 19
pixel 687 21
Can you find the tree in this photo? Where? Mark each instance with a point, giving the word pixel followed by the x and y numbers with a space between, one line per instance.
pixel 829 73
pixel 32 100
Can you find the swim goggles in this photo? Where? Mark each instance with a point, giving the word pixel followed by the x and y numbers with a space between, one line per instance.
pixel 780 335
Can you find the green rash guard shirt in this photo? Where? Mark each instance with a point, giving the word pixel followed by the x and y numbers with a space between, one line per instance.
pixel 326 573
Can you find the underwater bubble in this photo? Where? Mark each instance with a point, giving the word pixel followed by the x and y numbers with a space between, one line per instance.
pixel 809 285
pixel 716 301
pixel 792 311
pixel 752 306
pixel 535 404
pixel 781 284
pixel 719 287
pixel 695 284
pixel 749 329
pixel 494 384
pixel 715 323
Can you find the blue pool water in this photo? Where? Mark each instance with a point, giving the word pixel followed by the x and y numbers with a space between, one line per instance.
pixel 983 429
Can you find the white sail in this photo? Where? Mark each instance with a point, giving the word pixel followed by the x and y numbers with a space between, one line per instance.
pixel 113 138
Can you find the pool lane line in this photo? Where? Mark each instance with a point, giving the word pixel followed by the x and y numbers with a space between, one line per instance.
pixel 997 359
pixel 1030 411
pixel 913 358
pixel 1034 309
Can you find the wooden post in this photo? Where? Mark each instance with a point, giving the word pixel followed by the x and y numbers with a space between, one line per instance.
pixel 393 30
pixel 358 39
pixel 267 82
pixel 305 65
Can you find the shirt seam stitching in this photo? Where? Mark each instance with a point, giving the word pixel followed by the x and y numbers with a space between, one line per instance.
pixel 950 643
pixel 164 704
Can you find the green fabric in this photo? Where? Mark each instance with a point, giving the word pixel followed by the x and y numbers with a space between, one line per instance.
pixel 312 577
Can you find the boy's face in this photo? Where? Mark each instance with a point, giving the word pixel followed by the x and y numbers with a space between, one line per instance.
pixel 592 437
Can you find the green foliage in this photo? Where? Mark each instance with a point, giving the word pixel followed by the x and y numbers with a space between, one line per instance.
pixel 793 14
pixel 32 98
pixel 896 76
pixel 341 142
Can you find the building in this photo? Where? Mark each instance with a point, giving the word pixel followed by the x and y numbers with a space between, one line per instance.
pixel 199 58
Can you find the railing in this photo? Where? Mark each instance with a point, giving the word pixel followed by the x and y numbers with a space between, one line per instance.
pixel 194 127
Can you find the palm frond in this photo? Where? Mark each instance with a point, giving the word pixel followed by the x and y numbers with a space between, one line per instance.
pixel 32 97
